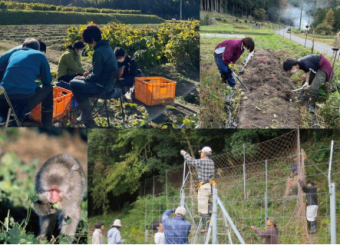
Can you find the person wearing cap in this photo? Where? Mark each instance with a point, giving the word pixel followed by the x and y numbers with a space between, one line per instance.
pixel 318 69
pixel 271 234
pixel 206 174
pixel 177 229
pixel 292 181
pixel 158 228
pixel 127 81
pixel 113 235
pixel 69 65
pixel 97 236
pixel 312 204
pixel 227 53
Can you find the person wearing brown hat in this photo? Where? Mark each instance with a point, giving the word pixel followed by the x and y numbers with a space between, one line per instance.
pixel 98 237
pixel 271 235
pixel 113 235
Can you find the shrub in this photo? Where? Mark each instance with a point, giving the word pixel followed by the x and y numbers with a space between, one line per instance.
pixel 177 43
pixel 245 21
pixel 324 29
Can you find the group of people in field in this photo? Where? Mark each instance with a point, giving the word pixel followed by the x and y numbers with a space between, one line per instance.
pixel 317 67
pixel 176 230
pixel 23 66
pixel 113 235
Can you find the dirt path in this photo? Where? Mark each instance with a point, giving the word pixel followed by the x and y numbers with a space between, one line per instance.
pixel 270 103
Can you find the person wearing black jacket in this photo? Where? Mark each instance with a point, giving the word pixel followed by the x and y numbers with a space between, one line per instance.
pixel 312 204
pixel 127 81
pixel 104 62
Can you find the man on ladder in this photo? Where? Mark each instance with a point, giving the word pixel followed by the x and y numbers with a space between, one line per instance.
pixel 206 176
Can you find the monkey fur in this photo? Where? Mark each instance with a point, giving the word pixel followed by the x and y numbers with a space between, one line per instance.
pixel 61 185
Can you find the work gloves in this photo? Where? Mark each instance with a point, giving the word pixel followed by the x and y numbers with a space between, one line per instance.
pixel 183 152
pixel 299 180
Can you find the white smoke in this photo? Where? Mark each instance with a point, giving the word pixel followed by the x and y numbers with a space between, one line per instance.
pixel 292 14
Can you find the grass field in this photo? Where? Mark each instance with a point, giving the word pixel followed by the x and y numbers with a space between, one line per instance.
pixel 213 92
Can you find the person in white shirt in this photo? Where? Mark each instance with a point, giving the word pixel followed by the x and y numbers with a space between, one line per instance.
pixel 158 228
pixel 113 235
pixel 98 237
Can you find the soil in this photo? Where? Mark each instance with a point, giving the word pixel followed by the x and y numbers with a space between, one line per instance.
pixel 270 102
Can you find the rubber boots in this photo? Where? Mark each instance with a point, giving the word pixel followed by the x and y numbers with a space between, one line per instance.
pixel 313 228
pixel 46 118
pixel 86 115
pixel 311 104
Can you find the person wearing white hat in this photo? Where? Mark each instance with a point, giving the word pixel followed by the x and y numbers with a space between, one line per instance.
pixel 206 175
pixel 113 235
pixel 177 229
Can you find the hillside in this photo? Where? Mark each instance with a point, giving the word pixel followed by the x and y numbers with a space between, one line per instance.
pixel 247 208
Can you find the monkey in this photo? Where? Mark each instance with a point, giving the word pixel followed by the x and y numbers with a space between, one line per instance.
pixel 60 185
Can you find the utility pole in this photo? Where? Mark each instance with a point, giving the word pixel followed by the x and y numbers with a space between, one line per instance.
pixel 180 9
pixel 301 16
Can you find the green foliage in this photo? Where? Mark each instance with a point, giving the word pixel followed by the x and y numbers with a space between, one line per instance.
pixel 177 43
pixel 260 14
pixel 330 110
pixel 38 17
pixel 12 189
pixel 205 20
pixel 50 7
pixel 329 18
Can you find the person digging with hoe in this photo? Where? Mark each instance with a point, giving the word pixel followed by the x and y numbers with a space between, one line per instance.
pixel 227 53
pixel 206 175
pixel 318 70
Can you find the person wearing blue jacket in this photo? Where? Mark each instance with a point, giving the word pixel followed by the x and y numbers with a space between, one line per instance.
pixel 177 229
pixel 4 58
pixel 92 83
pixel 24 67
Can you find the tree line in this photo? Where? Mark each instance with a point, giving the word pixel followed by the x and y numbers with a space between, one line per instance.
pixel 166 9
pixel 121 160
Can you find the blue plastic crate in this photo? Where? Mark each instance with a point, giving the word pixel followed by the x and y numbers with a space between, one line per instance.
pixel 66 85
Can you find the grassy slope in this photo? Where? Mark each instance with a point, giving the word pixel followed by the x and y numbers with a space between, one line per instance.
pixel 31 17
pixel 250 212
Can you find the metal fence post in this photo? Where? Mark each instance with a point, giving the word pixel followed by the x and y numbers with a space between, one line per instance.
pixel 214 217
pixel 332 198
pixel 166 187
pixel 153 187
pixel 244 172
pixel 266 195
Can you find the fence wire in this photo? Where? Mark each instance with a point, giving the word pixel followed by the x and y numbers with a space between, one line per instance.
pixel 265 167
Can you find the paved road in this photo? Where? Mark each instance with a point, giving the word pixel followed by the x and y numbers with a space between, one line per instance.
pixel 321 47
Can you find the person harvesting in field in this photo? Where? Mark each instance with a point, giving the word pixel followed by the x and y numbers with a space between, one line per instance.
pixel 24 66
pixel 206 175
pixel 271 234
pixel 104 62
pixel 318 70
pixel 97 236
pixel 127 81
pixel 4 58
pixel 227 53
pixel 69 65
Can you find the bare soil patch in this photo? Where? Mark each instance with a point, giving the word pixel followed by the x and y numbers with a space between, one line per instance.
pixel 270 102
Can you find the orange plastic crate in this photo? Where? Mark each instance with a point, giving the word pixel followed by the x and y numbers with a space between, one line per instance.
pixel 61 105
pixel 155 90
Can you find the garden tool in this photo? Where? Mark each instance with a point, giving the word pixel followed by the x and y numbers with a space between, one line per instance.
pixel 243 85
pixel 245 62
pixel 305 86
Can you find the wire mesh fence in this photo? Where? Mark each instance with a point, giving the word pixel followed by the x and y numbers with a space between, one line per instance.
pixel 253 183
